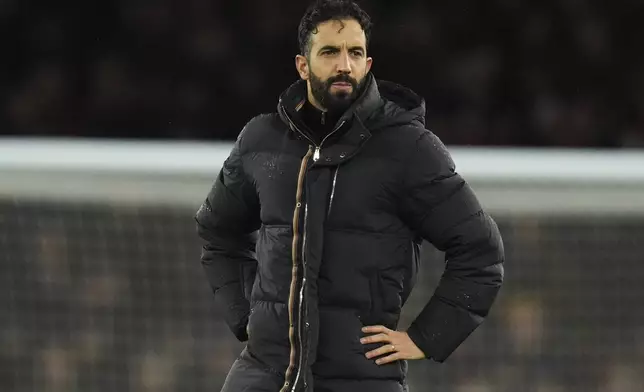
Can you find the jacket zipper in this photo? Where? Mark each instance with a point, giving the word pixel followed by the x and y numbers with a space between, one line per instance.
pixel 316 157
pixel 335 177
pixel 292 293
pixel 301 361
pixel 316 153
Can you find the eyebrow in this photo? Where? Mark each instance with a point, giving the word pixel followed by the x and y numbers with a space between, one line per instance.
pixel 337 48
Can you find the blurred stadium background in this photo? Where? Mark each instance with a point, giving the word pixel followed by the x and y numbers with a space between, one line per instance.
pixel 116 115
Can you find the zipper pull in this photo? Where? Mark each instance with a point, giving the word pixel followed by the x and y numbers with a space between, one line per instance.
pixel 316 154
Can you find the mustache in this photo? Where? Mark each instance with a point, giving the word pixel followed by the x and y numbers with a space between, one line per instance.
pixel 342 78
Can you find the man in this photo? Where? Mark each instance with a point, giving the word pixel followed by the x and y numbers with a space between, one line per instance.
pixel 314 225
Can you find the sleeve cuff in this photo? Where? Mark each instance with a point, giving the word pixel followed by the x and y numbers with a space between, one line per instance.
pixel 440 328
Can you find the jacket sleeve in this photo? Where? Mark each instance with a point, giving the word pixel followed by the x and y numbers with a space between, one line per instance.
pixel 442 208
pixel 227 221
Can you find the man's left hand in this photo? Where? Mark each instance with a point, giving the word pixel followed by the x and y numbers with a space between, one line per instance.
pixel 397 344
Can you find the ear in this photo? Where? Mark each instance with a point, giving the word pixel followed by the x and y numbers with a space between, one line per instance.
pixel 302 66
pixel 369 63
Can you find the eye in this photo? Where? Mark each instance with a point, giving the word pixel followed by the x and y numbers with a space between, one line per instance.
pixel 356 53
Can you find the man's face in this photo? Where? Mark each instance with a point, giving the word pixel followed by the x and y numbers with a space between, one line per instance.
pixel 336 65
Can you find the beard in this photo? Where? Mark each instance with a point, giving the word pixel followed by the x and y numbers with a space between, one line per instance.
pixel 339 101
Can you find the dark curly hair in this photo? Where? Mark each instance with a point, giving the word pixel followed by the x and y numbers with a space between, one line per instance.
pixel 324 10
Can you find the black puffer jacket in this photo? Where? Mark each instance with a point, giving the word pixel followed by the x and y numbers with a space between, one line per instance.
pixel 307 244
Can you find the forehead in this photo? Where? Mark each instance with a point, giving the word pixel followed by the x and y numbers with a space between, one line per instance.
pixel 337 33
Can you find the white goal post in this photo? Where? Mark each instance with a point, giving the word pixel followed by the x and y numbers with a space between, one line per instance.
pixel 180 173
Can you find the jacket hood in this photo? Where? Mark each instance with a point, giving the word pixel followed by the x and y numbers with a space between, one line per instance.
pixel 400 106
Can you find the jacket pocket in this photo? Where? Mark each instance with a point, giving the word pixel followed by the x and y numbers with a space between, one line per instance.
pixel 385 301
pixel 247 273
pixel 374 295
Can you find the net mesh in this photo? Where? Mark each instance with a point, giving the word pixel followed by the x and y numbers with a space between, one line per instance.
pixel 106 298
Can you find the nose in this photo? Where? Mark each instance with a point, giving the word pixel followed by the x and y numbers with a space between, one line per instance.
pixel 344 66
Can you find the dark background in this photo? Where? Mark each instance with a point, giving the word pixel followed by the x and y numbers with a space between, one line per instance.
pixel 498 72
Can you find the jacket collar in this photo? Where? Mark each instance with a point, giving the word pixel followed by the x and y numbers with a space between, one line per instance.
pixel 294 97
pixel 351 124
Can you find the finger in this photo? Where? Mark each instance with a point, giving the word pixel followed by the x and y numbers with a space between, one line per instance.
pixel 381 337
pixel 388 359
pixel 387 348
pixel 375 329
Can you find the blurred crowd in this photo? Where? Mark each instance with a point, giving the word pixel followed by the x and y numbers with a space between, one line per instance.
pixel 99 299
pixel 498 72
